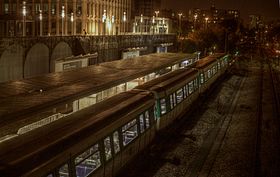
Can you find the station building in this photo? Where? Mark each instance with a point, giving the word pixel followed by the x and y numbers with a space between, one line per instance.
pixel 64 17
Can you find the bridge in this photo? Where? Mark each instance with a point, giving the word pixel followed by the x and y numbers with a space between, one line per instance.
pixel 24 57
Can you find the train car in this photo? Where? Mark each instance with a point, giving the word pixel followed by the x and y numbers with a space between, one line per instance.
pixel 98 141
pixel 174 93
pixel 209 70
pixel 101 139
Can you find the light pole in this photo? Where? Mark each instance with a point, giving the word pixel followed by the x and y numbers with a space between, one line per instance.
pixel 113 22
pixel 24 18
pixel 72 23
pixel 153 22
pixel 62 20
pixel 124 20
pixel 41 22
pixel 194 25
pixel 141 22
pixel 156 12
pixel 180 23
pixel 104 22
pixel 206 22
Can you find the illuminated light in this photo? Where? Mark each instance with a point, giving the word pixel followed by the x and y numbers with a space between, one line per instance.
pixel 63 12
pixel 124 16
pixel 72 17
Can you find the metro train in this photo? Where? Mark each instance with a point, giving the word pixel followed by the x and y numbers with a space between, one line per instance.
pixel 102 139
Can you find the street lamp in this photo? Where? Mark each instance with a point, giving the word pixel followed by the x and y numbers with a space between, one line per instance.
pixel 156 12
pixel 62 20
pixel 72 23
pixel 113 22
pixel 195 17
pixel 141 22
pixel 41 22
pixel 104 17
pixel 153 22
pixel 180 23
pixel 24 18
pixel 124 20
pixel 206 21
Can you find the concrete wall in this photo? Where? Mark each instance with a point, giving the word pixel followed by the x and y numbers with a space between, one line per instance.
pixel 11 63
pixel 61 50
pixel 37 61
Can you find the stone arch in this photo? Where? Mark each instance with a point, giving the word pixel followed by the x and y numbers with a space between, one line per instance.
pixel 61 50
pixel 11 63
pixel 37 61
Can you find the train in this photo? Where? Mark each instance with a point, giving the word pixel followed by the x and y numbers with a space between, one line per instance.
pixel 102 139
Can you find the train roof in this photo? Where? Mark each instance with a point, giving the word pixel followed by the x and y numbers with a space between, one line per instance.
pixel 40 145
pixel 204 62
pixel 168 80
pixel 23 96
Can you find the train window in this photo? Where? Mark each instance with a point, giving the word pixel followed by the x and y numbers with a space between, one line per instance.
pixel 191 87
pixel 201 78
pixel 142 123
pixel 171 101
pixel 116 142
pixel 107 147
pixel 180 95
pixel 88 161
pixel 129 132
pixel 163 106
pixel 174 99
pixel 195 85
pixel 147 119
pixel 209 74
pixel 63 171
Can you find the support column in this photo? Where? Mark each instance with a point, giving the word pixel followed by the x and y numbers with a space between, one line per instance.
pixel 49 18
pixel 58 21
pixel 75 16
pixel 84 15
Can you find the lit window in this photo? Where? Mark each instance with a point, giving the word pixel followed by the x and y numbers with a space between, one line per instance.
pixel 191 87
pixel 179 95
pixel 129 132
pixel 64 171
pixel 147 119
pixel 88 161
pixel 163 106
pixel 107 146
pixel 116 142
pixel 142 126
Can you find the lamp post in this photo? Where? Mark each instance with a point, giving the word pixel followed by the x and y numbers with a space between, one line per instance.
pixel 206 22
pixel 156 12
pixel 113 22
pixel 180 23
pixel 153 23
pixel 104 22
pixel 62 20
pixel 72 23
pixel 41 22
pixel 141 22
pixel 124 20
pixel 24 18
pixel 194 23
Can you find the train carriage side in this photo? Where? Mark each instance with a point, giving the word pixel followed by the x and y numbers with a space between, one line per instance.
pixel 174 93
pixel 209 70
pixel 106 137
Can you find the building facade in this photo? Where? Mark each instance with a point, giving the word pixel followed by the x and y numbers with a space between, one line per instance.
pixel 64 17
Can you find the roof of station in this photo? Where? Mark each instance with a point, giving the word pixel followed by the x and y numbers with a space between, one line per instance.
pixel 23 96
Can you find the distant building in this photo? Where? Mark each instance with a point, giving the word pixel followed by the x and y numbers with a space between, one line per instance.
pixel 255 21
pixel 63 17
pixel 203 17
pixel 146 7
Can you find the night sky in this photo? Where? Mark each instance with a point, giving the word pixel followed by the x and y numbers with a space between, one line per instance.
pixel 268 8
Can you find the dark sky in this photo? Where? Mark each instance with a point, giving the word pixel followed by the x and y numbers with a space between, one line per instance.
pixel 268 8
